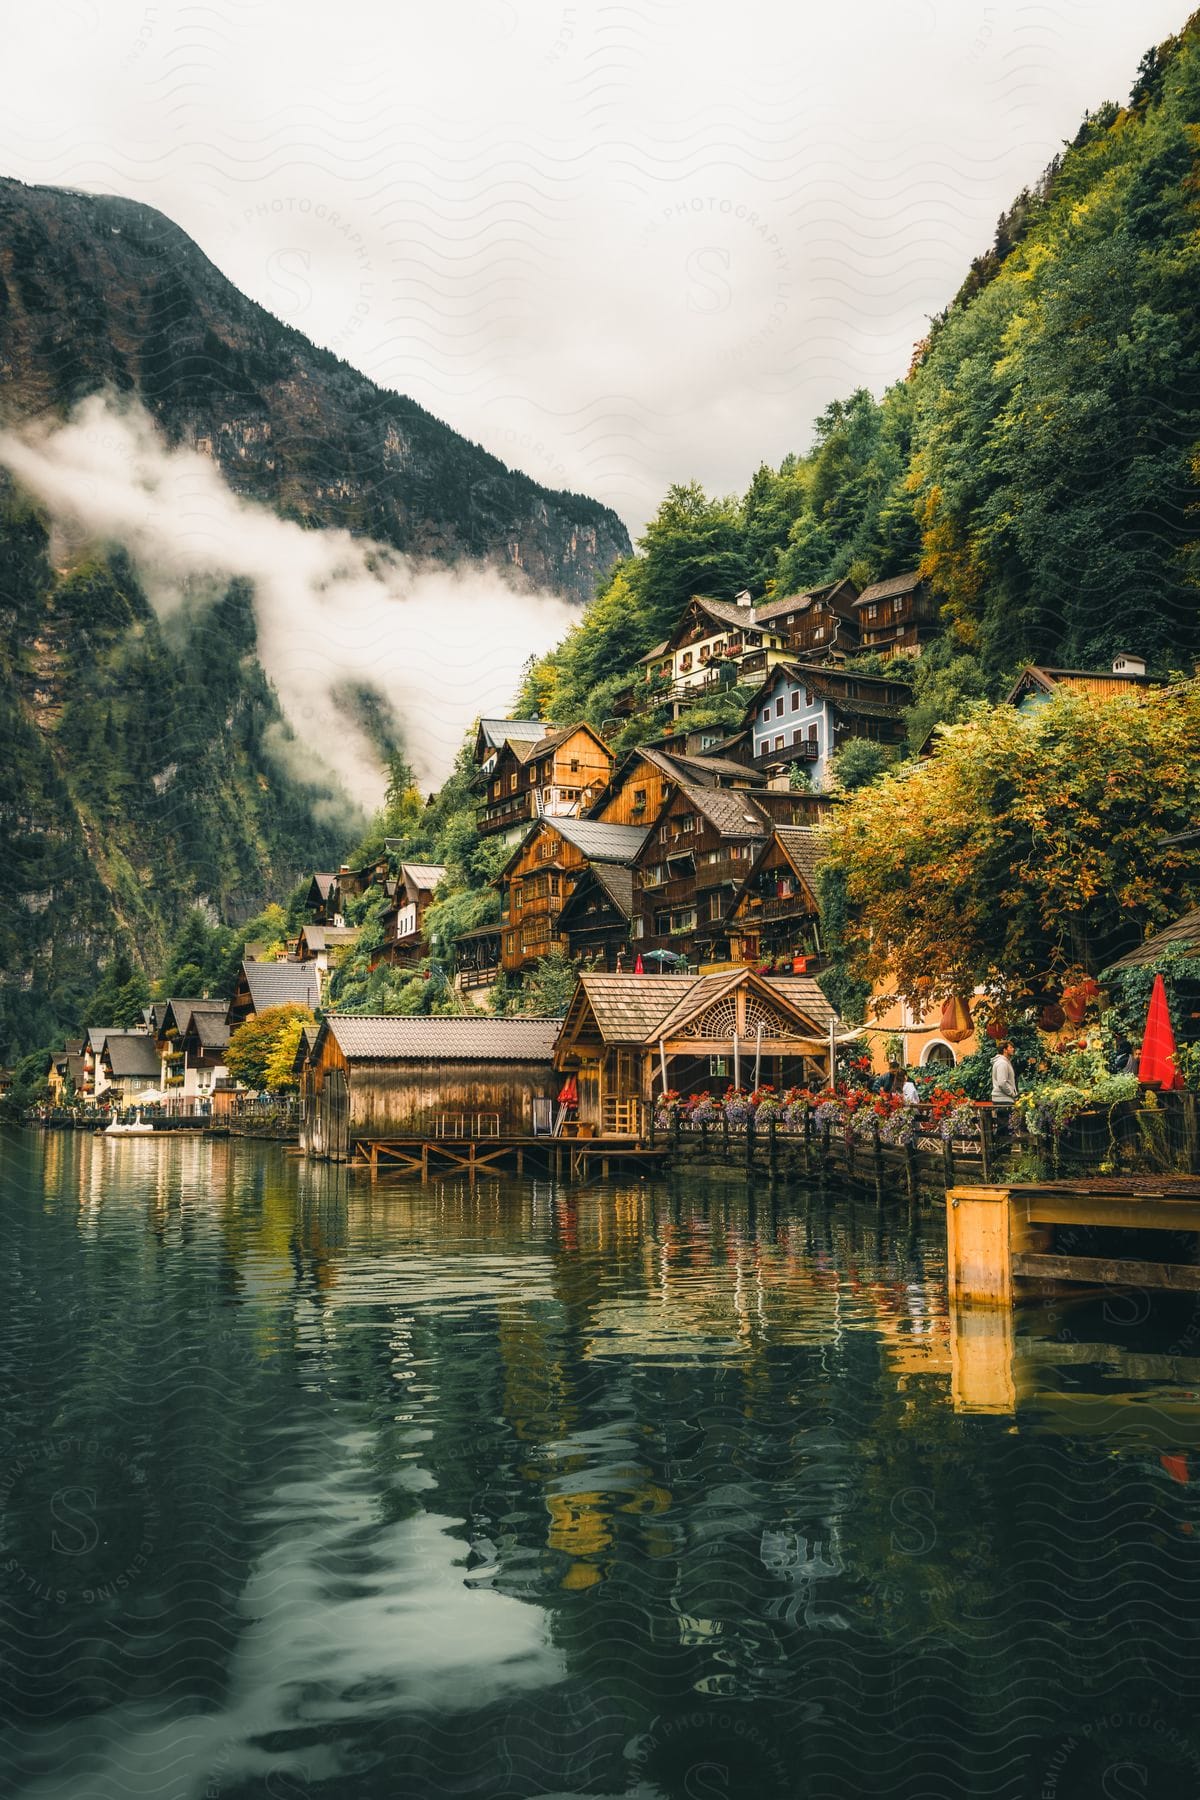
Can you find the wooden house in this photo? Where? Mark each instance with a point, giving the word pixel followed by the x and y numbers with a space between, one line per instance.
pixel 404 919
pixel 477 957
pixel 715 644
pixel 131 1066
pixel 179 1027
pixel 625 1037
pixel 804 713
pixel 96 1078
pixel 491 735
pixel 596 920
pixel 1036 684
pixel 265 984
pixel 321 901
pixel 541 875
pixel 555 777
pixel 818 626
pixel 899 616
pixel 322 944
pixel 775 916
pixel 65 1076
pixel 691 866
pixel 641 785
pixel 376 1077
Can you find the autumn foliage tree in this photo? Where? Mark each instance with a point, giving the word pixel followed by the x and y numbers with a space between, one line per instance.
pixel 1027 849
pixel 259 1053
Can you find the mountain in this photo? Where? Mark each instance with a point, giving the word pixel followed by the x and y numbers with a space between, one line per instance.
pixel 147 767
pixel 98 292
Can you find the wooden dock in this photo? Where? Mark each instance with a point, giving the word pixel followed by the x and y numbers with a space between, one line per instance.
pixel 999 1236
pixel 580 1159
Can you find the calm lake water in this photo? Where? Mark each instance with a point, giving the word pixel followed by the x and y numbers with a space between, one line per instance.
pixel 314 1489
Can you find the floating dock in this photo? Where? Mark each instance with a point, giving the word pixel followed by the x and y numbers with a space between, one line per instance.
pixel 577 1158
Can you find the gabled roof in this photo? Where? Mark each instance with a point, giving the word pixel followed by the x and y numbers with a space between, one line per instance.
pixel 304 1045
pixel 731 813
pixel 1183 934
pixel 615 883
pixel 795 603
pixel 97 1034
pixel 212 1030
pixel 887 590
pixel 174 1014
pixel 130 1054
pixel 492 733
pixel 653 654
pixel 424 876
pixel 1036 677
pixel 324 884
pixel 826 684
pixel 475 1038
pixel 601 842
pixel 281 984
pixel 641 1009
pixel 329 937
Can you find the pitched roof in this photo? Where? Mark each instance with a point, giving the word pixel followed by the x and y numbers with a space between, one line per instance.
pixel 304 1044
pixel 695 769
pixel 801 602
pixel 733 814
pixel 887 590
pixel 96 1034
pixel 655 651
pixel 328 937
pixel 1183 934
pixel 601 842
pixel 281 984
pixel 477 1038
pixel 804 848
pixel 1101 681
pixel 178 1012
pixel 643 1008
pixel 615 881
pixel 212 1029
pixel 130 1053
pixel 323 884
pixel 495 732
pixel 424 876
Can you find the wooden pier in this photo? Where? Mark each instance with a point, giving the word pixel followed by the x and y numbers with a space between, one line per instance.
pixel 999 1236
pixel 577 1158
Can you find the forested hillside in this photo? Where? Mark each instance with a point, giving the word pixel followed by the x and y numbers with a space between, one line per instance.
pixel 138 778
pixel 1040 460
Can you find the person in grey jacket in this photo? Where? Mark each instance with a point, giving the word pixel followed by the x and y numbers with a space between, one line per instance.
pixel 1004 1085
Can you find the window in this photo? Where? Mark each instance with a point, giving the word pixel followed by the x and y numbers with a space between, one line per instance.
pixel 512 784
pixel 795 699
pixel 688 822
pixel 796 735
pixel 662 924
pixel 808 696
pixel 766 714
pixel 496 787
pixel 812 734
pixel 574 765
pixel 872 611
pixel 718 1067
pixel 554 885
pixel 516 897
pixel 791 618
pixel 637 928
pixel 639 799
pixel 779 743
pixel 779 707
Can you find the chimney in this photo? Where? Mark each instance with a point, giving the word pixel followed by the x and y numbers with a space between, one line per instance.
pixel 743 599
pixel 1126 663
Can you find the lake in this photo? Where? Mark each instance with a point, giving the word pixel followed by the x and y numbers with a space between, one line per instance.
pixel 314 1488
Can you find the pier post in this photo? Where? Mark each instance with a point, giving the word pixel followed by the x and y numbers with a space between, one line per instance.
pixel 978 1246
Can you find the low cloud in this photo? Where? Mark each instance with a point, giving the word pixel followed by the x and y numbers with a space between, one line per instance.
pixel 337 615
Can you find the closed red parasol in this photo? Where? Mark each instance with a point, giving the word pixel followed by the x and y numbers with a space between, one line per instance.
pixel 1157 1061
pixel 568 1093
pixel 638 967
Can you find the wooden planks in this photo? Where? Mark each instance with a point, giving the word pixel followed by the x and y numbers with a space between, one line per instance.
pixel 1107 1272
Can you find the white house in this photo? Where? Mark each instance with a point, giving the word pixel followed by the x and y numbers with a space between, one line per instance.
pixel 804 713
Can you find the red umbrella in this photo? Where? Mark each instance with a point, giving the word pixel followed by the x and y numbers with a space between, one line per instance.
pixel 1157 1062
pixel 569 1093
pixel 638 967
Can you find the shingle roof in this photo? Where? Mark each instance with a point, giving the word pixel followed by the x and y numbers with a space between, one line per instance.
pixel 178 1012
pixel 323 883
pixel 96 1034
pixel 425 876
pixel 774 608
pixel 129 1053
pixel 212 1029
pixel 733 814
pixel 615 880
pixel 693 768
pixel 308 1037
pixel 887 590
pixel 328 937
pixel 1184 934
pixel 805 848
pixel 601 842
pixel 642 1008
pixel 392 1038
pixel 281 984
pixel 496 732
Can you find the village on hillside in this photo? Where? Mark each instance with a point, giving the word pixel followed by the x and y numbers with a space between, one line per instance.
pixel 660 947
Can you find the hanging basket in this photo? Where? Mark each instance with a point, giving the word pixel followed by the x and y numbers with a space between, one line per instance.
pixel 1078 997
pixel 1052 1017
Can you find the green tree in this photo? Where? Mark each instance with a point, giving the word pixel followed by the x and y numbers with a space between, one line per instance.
pixel 253 1045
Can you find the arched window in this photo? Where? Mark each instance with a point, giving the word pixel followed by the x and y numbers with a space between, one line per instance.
pixel 938 1055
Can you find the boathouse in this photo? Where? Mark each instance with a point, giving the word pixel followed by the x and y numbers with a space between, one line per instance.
pixel 627 1037
pixel 375 1077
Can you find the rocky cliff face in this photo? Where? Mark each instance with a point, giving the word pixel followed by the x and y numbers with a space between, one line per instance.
pixel 143 772
pixel 104 293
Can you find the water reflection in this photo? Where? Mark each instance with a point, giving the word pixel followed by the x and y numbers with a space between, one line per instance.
pixel 314 1487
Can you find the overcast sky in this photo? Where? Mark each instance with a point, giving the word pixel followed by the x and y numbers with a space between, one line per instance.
pixel 619 244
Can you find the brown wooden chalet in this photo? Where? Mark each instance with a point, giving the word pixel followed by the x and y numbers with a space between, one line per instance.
pixel 404 920
pixel 646 778
pixel 554 777
pixel 899 616
pixel 691 866
pixel 477 956
pixel 321 902
pixel 541 875
pixel 596 920
pixel 775 916
pixel 626 1036
pixel 818 625
pixel 491 735
pixel 1037 683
